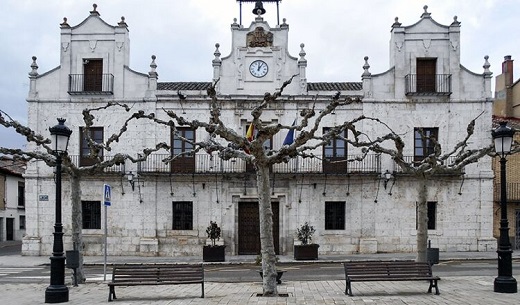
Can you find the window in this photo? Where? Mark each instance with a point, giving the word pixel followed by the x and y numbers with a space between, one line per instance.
pixel 21 194
pixel 182 215
pixel 432 213
pixel 96 134
pixel 426 74
pixel 22 222
pixel 91 211
pixel 335 215
pixel 93 70
pixel 335 150
pixel 181 145
pixel 424 142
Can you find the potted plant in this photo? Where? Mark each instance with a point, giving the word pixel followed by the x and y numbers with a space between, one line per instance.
pixel 213 252
pixel 306 250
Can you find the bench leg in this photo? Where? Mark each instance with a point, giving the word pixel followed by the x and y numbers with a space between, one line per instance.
pixel 112 293
pixel 348 288
pixel 202 290
pixel 433 283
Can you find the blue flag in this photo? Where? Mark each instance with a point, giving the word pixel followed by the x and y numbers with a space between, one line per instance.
pixel 289 138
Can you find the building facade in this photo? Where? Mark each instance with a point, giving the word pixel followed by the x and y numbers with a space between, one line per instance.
pixel 166 207
pixel 12 196
pixel 506 108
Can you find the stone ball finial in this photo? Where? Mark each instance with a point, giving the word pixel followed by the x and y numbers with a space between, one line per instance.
pixel 217 45
pixel 153 57
pixel 122 18
pixel 365 58
pixel 425 9
pixel 95 6
pixel 486 57
pixel 34 58
pixel 302 45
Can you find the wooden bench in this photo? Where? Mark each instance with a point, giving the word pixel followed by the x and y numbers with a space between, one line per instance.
pixel 155 274
pixel 388 271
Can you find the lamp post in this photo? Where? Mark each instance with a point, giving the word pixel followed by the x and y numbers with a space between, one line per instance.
pixel 504 282
pixel 57 292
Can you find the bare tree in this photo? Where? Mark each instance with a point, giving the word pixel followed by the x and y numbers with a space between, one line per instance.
pixel 74 171
pixel 439 162
pixel 227 144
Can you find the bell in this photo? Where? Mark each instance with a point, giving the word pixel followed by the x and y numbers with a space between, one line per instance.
pixel 259 6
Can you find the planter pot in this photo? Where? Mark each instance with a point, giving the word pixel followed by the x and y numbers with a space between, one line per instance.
pixel 306 252
pixel 214 254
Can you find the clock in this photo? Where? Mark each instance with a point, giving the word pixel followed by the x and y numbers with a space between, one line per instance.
pixel 258 68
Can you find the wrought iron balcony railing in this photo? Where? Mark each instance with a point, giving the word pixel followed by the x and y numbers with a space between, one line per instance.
pixel 435 84
pixel 204 163
pixel 80 161
pixel 91 84
pixel 415 162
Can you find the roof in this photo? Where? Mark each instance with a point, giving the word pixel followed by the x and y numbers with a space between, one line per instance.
pixel 321 86
pixel 10 166
pixel 511 122
pixel 337 86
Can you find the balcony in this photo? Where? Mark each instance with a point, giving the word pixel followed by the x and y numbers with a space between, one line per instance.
pixel 78 161
pixel 512 191
pixel 410 159
pixel 205 164
pixel 102 84
pixel 435 84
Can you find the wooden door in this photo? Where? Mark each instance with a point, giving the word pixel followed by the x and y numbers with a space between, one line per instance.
pixel 183 162
pixel 426 74
pixel 249 228
pixel 334 151
pixel 93 75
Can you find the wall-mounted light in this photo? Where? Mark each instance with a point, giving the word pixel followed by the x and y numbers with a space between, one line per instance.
pixel 130 177
pixel 387 175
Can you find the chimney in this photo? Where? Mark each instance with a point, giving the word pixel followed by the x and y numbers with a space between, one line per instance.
pixel 507 69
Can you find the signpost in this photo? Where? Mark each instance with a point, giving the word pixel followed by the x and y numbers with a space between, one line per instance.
pixel 107 201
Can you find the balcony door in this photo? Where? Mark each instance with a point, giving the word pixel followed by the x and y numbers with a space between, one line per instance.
pixel 184 161
pixel 426 70
pixel 93 75
pixel 335 155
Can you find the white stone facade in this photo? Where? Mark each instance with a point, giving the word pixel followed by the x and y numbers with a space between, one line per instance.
pixel 140 220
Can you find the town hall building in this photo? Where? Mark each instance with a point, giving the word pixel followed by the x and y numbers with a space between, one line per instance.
pixel 163 208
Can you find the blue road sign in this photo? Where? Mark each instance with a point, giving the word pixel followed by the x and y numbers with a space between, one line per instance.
pixel 107 194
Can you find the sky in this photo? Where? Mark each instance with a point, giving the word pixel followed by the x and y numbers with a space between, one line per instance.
pixel 182 34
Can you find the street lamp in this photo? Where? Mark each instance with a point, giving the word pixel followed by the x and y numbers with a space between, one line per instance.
pixel 505 282
pixel 57 292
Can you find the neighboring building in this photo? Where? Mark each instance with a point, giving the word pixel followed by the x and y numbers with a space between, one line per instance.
pixel 506 107
pixel 168 206
pixel 12 199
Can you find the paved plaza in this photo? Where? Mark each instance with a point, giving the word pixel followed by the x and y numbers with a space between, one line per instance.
pixel 473 290
pixel 454 290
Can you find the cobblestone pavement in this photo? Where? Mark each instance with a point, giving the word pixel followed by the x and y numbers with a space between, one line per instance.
pixel 473 290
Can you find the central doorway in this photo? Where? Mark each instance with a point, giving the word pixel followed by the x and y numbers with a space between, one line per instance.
pixel 249 228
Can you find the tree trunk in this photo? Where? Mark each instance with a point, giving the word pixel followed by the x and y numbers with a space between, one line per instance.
pixel 266 231
pixel 77 223
pixel 422 221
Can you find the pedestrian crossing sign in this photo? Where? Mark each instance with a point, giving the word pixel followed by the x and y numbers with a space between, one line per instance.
pixel 107 194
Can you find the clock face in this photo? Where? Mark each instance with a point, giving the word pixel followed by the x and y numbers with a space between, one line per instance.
pixel 258 68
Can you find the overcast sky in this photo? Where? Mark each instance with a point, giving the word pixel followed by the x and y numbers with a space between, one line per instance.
pixel 182 34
